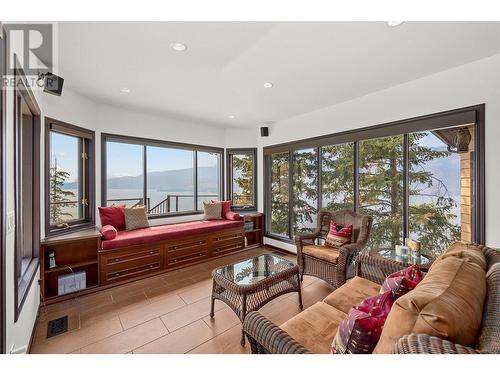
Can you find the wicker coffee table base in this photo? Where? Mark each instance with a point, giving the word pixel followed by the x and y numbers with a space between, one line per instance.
pixel 243 299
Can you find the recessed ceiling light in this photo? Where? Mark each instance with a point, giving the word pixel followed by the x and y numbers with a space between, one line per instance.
pixel 125 90
pixel 394 23
pixel 268 85
pixel 231 117
pixel 178 46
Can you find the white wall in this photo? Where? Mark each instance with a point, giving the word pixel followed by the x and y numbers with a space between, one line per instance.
pixel 470 84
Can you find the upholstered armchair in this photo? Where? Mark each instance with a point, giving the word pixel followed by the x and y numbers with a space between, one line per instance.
pixel 328 263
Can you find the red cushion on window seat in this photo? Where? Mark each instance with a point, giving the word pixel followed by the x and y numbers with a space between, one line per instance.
pixel 113 216
pixel 233 216
pixel 108 232
pixel 167 232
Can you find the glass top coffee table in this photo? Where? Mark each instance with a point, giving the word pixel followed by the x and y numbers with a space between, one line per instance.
pixel 423 261
pixel 248 285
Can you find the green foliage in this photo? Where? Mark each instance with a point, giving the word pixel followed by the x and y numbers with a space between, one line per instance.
pixel 243 195
pixel 59 197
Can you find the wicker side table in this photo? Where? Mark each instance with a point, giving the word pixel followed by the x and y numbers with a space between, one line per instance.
pixel 248 285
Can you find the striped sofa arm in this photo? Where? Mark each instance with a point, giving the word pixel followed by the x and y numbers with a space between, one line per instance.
pixel 425 344
pixel 267 338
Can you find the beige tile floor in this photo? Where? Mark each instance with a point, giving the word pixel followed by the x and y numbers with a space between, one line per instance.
pixel 162 314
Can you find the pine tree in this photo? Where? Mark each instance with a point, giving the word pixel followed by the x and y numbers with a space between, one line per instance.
pixel 58 196
pixel 244 180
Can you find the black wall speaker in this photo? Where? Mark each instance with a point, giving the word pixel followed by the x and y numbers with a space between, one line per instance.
pixel 264 131
pixel 52 84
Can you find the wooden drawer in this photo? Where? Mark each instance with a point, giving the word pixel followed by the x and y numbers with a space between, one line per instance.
pixel 131 272
pixel 186 246
pixel 124 257
pixel 228 238
pixel 176 260
pixel 228 248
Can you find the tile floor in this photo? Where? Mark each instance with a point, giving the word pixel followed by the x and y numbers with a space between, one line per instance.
pixel 162 314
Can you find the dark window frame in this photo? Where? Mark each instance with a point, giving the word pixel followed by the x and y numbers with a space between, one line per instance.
pixel 471 114
pixel 229 176
pixel 23 282
pixel 107 137
pixel 87 175
pixel 3 189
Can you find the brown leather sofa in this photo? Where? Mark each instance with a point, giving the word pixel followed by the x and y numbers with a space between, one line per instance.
pixel 454 309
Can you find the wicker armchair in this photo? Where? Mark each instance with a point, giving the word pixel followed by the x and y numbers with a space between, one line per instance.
pixel 333 271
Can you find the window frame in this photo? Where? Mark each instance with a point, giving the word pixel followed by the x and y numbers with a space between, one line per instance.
pixel 473 114
pixel 23 282
pixel 86 175
pixel 230 152
pixel 145 142
pixel 3 188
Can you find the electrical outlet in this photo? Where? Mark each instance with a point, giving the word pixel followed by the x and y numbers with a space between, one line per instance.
pixel 11 222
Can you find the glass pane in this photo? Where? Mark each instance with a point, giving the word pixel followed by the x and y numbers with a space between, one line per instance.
pixel 381 188
pixel 170 180
pixel 439 181
pixel 65 187
pixel 208 177
pixel 124 174
pixel 279 193
pixel 305 190
pixel 251 271
pixel 337 176
pixel 243 182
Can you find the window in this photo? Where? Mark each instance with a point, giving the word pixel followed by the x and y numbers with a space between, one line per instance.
pixel 280 194
pixel 168 178
pixel 26 187
pixel 426 184
pixel 69 177
pixel 242 178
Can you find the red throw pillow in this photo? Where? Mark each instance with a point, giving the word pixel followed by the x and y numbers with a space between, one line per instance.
pixel 114 216
pixel 338 236
pixel 360 331
pixel 233 216
pixel 108 232
pixel 402 282
pixel 226 206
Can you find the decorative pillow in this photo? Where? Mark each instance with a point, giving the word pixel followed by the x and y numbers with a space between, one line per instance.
pixel 108 232
pixel 402 282
pixel 360 331
pixel 226 206
pixel 232 216
pixel 338 236
pixel 213 211
pixel 113 216
pixel 136 218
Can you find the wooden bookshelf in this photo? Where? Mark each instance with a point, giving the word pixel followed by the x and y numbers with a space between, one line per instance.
pixel 254 236
pixel 74 252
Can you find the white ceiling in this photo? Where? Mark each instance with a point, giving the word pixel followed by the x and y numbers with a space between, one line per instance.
pixel 312 65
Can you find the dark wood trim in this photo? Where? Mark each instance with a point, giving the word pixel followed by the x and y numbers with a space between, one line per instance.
pixel 229 176
pixel 3 190
pixel 460 116
pixel 105 137
pixel 88 137
pixel 23 284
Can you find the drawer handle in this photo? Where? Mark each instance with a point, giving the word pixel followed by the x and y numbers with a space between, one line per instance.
pixel 151 252
pixel 117 259
pixel 117 274
pixel 151 266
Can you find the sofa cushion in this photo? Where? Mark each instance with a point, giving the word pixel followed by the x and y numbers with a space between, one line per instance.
pixel 351 293
pixel 213 211
pixel 230 215
pixel 447 303
pixel 338 235
pixel 135 217
pixel 360 331
pixel 315 327
pixel 113 216
pixel 325 253
pixel 469 251
pixel 167 232
pixel 108 232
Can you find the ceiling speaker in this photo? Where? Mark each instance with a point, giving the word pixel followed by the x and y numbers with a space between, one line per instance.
pixel 264 131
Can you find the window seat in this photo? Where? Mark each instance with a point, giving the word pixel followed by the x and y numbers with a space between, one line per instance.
pixel 167 232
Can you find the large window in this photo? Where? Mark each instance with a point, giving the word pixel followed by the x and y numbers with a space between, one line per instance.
pixel 26 187
pixel 167 178
pixel 423 184
pixel 69 177
pixel 242 178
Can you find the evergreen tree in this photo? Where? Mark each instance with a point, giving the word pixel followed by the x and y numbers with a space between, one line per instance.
pixel 58 196
pixel 243 179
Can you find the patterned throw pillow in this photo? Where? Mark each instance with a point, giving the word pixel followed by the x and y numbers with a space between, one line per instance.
pixel 360 331
pixel 226 206
pixel 338 236
pixel 213 211
pixel 135 218
pixel 402 282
